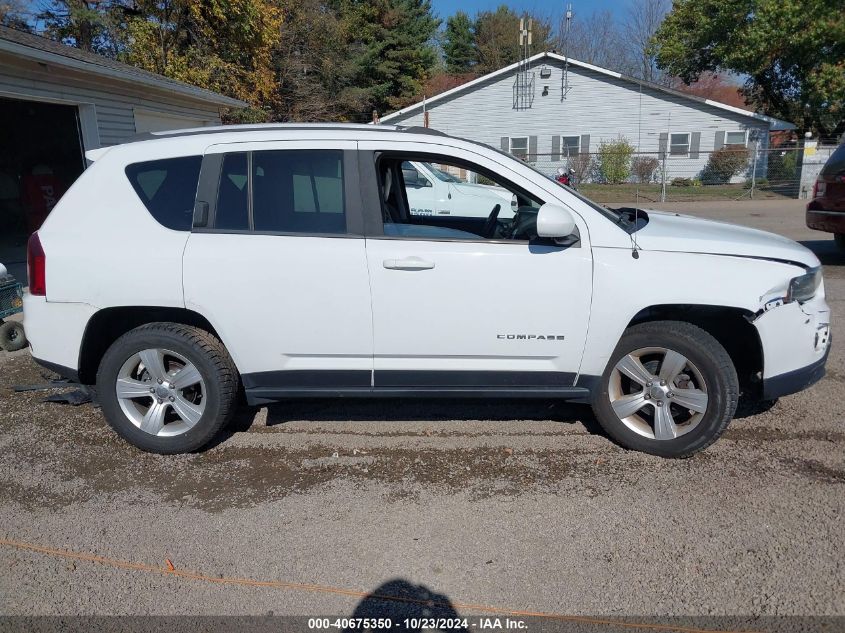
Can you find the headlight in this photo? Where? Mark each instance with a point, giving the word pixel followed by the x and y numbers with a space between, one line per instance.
pixel 804 288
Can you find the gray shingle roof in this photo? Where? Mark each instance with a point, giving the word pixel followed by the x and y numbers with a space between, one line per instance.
pixel 30 45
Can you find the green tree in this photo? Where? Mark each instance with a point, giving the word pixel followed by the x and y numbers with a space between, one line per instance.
pixel 459 43
pixel 614 160
pixel 497 37
pixel 392 44
pixel 791 51
pixel 84 24
pixel 314 67
pixel 222 45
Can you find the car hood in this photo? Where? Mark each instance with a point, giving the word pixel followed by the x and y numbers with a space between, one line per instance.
pixel 683 233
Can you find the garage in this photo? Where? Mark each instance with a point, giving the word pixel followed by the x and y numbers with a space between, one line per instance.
pixel 56 103
pixel 40 156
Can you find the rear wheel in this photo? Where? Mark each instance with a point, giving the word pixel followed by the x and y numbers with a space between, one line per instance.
pixel 167 388
pixel 670 389
pixel 840 240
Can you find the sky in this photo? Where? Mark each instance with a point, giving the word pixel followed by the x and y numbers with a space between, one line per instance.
pixel 445 8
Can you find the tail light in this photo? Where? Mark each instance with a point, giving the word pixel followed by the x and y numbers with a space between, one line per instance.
pixel 819 188
pixel 36 264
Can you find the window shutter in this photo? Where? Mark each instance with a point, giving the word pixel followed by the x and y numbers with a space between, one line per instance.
pixel 719 143
pixel 664 141
pixel 505 144
pixel 585 144
pixel 532 148
pixel 694 144
pixel 555 148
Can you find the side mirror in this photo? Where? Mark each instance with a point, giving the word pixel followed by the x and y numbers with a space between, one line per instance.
pixel 411 177
pixel 554 221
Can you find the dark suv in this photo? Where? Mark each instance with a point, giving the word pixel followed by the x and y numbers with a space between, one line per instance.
pixel 826 211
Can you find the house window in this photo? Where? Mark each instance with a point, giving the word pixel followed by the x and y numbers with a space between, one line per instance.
pixel 735 139
pixel 519 146
pixel 570 145
pixel 679 145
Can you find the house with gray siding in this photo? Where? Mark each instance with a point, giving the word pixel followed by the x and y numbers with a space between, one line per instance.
pixel 552 109
pixel 57 102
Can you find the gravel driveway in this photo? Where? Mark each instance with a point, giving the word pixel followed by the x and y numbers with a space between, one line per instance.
pixel 511 505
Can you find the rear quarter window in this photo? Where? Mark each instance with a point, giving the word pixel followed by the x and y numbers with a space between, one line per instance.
pixel 835 165
pixel 168 187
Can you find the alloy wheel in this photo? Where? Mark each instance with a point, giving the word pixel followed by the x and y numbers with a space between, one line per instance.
pixel 161 392
pixel 658 393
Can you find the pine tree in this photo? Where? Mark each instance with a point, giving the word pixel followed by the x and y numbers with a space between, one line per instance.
pixel 395 54
pixel 459 43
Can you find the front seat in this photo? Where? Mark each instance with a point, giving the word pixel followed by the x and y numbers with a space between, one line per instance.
pixel 391 212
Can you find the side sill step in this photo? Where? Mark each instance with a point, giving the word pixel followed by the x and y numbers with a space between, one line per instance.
pixel 258 396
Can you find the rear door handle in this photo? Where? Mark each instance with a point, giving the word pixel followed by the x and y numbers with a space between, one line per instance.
pixel 409 263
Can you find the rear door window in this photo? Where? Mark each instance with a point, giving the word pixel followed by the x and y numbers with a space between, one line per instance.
pixel 233 193
pixel 282 191
pixel 167 187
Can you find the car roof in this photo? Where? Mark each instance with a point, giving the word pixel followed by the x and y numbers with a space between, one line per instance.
pixel 196 140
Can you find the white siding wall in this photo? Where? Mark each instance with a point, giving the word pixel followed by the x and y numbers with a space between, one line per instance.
pixel 113 101
pixel 599 105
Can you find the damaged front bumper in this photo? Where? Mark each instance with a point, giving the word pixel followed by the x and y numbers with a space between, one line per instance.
pixel 796 342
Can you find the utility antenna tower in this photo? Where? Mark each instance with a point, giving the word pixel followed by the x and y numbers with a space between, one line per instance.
pixel 523 87
pixel 564 86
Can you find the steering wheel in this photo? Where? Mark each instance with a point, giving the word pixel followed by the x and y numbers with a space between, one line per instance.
pixel 490 224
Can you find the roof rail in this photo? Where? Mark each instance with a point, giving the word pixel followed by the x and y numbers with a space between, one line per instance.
pixel 416 129
pixel 256 127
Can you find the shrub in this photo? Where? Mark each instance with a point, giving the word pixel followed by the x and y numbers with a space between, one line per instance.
pixel 614 161
pixel 681 182
pixel 724 164
pixel 783 166
pixel 583 165
pixel 643 168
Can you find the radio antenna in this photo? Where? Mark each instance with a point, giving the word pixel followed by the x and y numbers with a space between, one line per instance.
pixel 564 89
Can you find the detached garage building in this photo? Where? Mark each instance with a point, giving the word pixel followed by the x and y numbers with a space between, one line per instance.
pixel 56 102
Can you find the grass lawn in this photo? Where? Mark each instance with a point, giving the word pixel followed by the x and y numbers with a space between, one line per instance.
pixel 651 193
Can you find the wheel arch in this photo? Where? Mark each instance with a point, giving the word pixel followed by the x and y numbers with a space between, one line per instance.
pixel 109 324
pixel 731 326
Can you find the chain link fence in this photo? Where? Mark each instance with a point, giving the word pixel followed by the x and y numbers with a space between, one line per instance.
pixel 730 173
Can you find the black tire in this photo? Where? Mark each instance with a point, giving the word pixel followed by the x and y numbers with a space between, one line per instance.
pixel 711 359
pixel 12 336
pixel 839 238
pixel 202 349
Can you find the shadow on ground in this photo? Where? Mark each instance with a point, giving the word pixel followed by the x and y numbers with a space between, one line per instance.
pixel 415 410
pixel 399 601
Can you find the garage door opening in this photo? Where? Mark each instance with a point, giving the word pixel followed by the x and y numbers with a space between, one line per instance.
pixel 40 157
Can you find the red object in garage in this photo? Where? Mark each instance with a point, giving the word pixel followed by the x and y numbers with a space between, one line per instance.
pixel 41 192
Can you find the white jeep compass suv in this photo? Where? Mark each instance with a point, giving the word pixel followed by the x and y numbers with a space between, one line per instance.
pixel 284 259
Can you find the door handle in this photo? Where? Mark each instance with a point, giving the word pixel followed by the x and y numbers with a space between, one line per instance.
pixel 409 263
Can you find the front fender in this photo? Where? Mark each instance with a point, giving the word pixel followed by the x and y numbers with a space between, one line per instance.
pixel 624 286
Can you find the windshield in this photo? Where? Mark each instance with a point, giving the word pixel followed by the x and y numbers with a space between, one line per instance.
pixel 441 175
pixel 627 219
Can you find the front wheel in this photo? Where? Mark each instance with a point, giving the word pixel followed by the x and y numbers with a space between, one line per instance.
pixel 670 389
pixel 167 388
